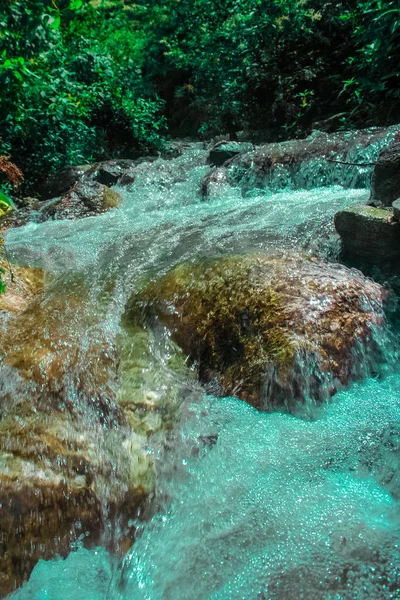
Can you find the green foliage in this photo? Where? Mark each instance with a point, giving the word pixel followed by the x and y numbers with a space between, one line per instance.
pixel 2 286
pixel 84 80
pixel 70 98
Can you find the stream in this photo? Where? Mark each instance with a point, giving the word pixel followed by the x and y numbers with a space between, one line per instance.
pixel 249 505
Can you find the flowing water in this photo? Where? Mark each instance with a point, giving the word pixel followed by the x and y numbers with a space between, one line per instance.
pixel 250 505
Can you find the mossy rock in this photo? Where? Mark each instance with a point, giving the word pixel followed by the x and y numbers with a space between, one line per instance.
pixel 368 232
pixel 272 331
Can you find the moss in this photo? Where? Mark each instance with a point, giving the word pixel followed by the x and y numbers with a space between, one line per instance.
pixel 372 212
pixel 227 320
pixel 111 198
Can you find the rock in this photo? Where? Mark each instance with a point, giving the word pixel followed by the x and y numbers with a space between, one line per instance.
pixel 63 476
pixel 77 406
pixel 226 150
pixel 62 181
pixel 86 199
pixel 272 331
pixel 110 172
pixel 386 176
pixel 70 463
pixel 214 182
pixel 330 124
pixel 396 209
pixel 22 284
pixel 107 172
pixel 368 232
pixel 303 163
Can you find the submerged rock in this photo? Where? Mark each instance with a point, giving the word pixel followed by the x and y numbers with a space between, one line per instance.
pixel 272 331
pixel 386 176
pixel 62 475
pixel 86 199
pixel 368 232
pixel 77 407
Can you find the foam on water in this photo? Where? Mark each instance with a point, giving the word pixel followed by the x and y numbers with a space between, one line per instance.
pixel 164 220
pixel 263 506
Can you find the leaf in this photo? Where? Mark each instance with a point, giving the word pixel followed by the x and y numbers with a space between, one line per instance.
pixel 76 4
pixel 55 22
pixel 5 200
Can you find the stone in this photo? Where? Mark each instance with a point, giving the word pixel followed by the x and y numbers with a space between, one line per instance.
pixel 214 183
pixel 368 232
pixel 76 413
pixel 273 331
pixel 300 163
pixel 396 209
pixel 69 460
pixel 86 199
pixel 110 172
pixel 107 172
pixel 61 182
pixel 386 176
pixel 226 150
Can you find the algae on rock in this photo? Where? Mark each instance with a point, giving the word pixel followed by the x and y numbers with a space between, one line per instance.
pixel 271 330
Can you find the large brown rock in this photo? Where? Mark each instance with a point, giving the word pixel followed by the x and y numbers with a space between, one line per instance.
pixel 270 330
pixel 73 459
pixel 107 172
pixel 386 177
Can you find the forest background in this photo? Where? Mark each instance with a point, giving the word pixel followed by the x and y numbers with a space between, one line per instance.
pixel 84 80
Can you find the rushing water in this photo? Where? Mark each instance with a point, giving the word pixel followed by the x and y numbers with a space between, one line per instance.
pixel 251 505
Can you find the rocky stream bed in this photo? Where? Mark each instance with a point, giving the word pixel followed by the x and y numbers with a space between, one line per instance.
pixel 200 394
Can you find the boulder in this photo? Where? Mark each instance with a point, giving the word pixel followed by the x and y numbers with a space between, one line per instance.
pixel 86 199
pixel 386 177
pixel 226 150
pixel 62 476
pixel 107 172
pixel 273 331
pixel 77 406
pixel 62 181
pixel 303 163
pixel 214 183
pixel 368 232
pixel 396 209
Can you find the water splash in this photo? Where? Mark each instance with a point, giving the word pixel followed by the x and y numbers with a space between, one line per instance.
pixel 263 506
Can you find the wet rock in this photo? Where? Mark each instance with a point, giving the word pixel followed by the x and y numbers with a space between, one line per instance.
pixel 386 177
pixel 330 124
pixel 86 199
pixel 107 172
pixel 214 182
pixel 314 161
pixel 63 476
pixel 70 463
pixel 110 172
pixel 62 181
pixel 226 150
pixel 368 232
pixel 272 331
pixel 396 209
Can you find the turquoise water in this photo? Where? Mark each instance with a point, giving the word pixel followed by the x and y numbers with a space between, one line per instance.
pixel 249 505
pixel 262 506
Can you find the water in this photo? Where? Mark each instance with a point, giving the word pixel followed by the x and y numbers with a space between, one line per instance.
pixel 249 505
